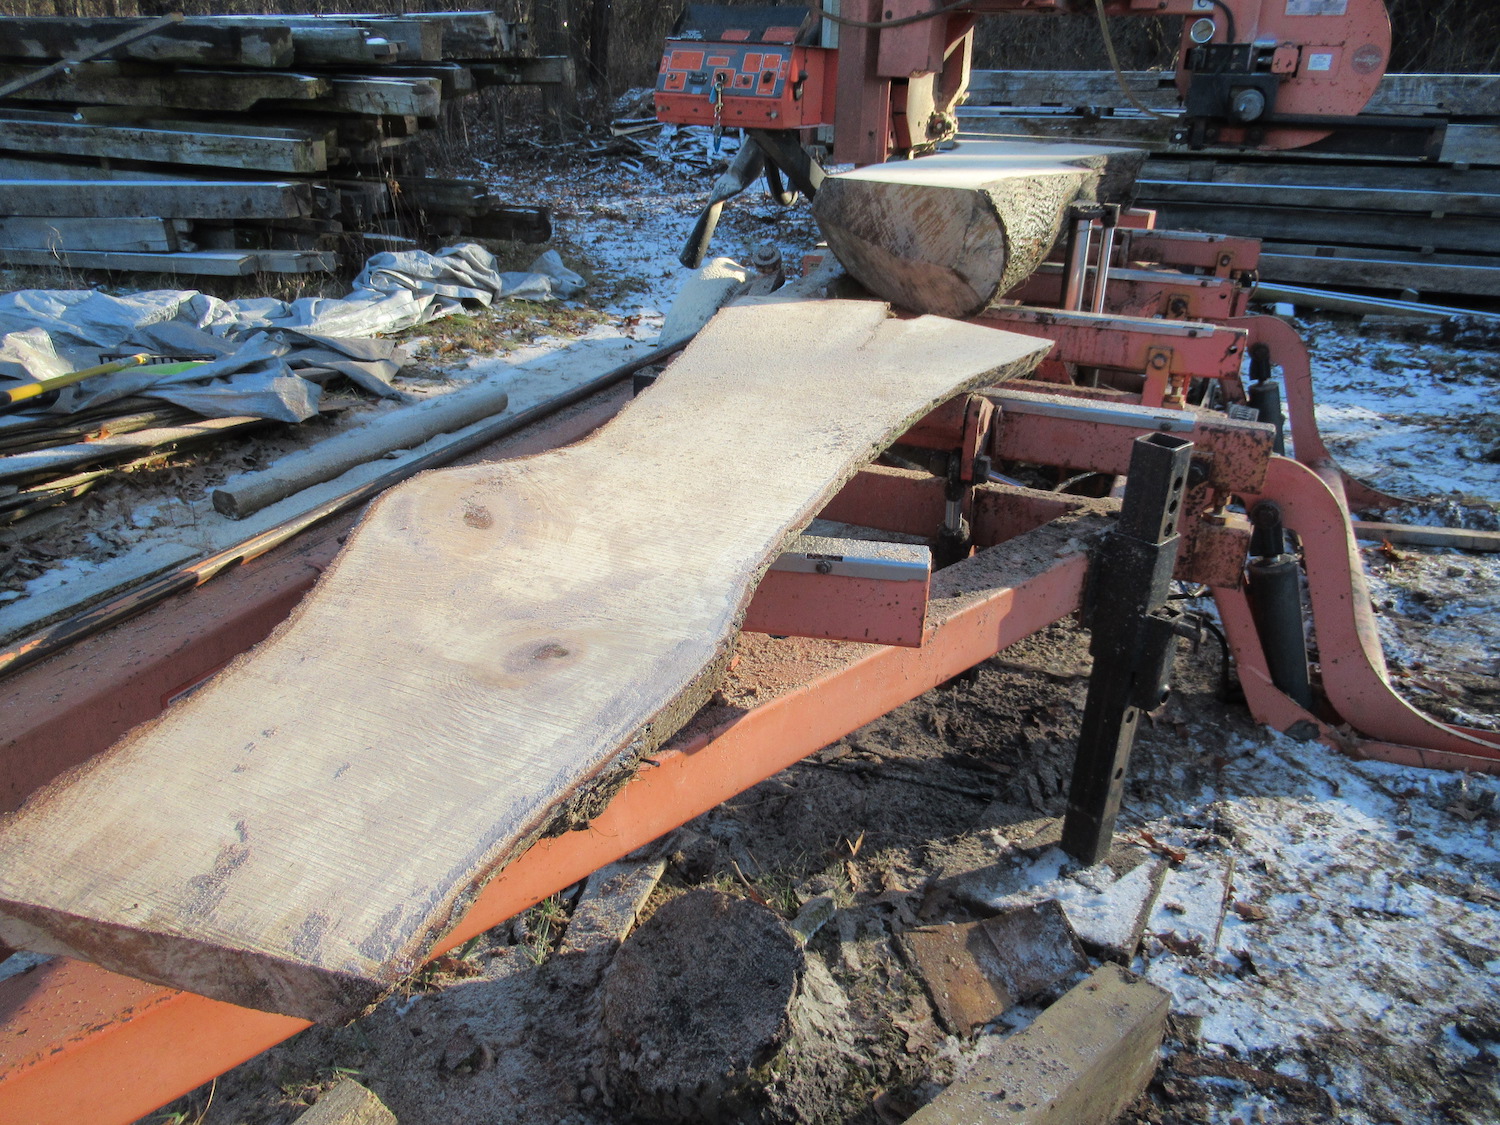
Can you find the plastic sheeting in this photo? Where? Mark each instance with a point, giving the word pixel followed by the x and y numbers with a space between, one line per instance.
pixel 270 357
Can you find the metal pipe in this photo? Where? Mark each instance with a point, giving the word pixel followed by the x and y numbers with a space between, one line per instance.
pixel 1275 594
pixel 1106 252
pixel 1078 264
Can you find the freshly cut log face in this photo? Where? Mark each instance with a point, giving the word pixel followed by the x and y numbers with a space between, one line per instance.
pixel 495 648
pixel 951 233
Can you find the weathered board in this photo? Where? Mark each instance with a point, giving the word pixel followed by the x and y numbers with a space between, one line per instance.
pixel 495 648
pixel 177 199
pixel 1348 198
pixel 195 42
pixel 119 235
pixel 1469 234
pixel 1457 95
pixel 950 233
pixel 113 83
pixel 214 147
pixel 200 263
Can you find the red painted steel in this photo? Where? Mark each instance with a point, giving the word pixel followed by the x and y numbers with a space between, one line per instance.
pixel 1278 711
pixel 838 608
pixel 1167 353
pixel 1288 349
pixel 1354 676
pixel 1145 293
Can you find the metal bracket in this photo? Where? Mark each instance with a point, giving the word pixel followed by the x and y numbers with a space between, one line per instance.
pixel 1134 638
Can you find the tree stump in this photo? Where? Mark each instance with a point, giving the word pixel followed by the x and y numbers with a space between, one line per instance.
pixel 951 233
pixel 696 1005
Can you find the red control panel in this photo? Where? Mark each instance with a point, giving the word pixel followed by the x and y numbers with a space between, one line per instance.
pixel 745 85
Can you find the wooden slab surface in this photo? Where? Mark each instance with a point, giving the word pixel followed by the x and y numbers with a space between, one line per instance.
pixel 494 649
pixel 951 233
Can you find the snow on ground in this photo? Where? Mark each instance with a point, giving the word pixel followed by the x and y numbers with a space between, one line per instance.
pixel 1414 418
pixel 1365 955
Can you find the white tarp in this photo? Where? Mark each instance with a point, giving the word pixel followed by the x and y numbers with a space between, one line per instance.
pixel 271 356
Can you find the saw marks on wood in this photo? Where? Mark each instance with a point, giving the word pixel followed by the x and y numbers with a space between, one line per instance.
pixel 951 233
pixel 493 648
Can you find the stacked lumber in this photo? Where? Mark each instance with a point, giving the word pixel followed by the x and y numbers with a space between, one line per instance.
pixel 1421 216
pixel 240 144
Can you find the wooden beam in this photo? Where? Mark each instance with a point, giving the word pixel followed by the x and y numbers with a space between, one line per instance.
pixel 24 82
pixel 341 46
pixel 184 199
pixel 496 649
pixel 225 148
pixel 1153 191
pixel 544 70
pixel 1407 95
pixel 1474 234
pixel 112 83
pixel 137 235
pixel 1458 538
pixel 1252 169
pixel 381 96
pixel 1083 1060
pixel 194 42
pixel 951 233
pixel 15 167
pixel 200 263
pixel 1471 144
pixel 1374 272
pixel 456 80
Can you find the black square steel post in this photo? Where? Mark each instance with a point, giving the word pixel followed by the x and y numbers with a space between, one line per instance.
pixel 1133 639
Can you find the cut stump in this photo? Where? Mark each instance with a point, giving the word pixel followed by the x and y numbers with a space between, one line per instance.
pixel 695 1003
pixel 491 654
pixel 950 234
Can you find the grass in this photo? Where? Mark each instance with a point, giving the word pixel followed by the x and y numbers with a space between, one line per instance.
pixel 504 327
pixel 544 925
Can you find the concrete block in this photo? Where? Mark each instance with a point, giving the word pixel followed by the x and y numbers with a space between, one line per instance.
pixel 1082 1061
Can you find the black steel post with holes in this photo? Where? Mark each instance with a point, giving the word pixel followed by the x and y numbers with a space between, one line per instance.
pixel 1134 638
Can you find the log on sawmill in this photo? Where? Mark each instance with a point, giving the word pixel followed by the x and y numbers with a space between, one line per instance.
pixel 951 233
pixel 494 651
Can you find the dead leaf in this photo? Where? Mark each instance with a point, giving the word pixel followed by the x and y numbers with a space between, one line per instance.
pixel 1250 912
pixel 1183 947
pixel 1174 854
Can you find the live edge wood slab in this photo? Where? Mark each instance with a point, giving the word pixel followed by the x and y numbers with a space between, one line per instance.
pixel 491 654
pixel 951 233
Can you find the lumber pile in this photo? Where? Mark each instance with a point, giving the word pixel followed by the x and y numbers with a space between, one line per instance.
pixel 496 648
pixel 231 145
pixel 1422 215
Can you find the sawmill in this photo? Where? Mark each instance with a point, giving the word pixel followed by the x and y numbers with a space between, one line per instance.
pixel 1017 381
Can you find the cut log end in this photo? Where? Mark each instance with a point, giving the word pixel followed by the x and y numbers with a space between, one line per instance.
pixel 950 234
